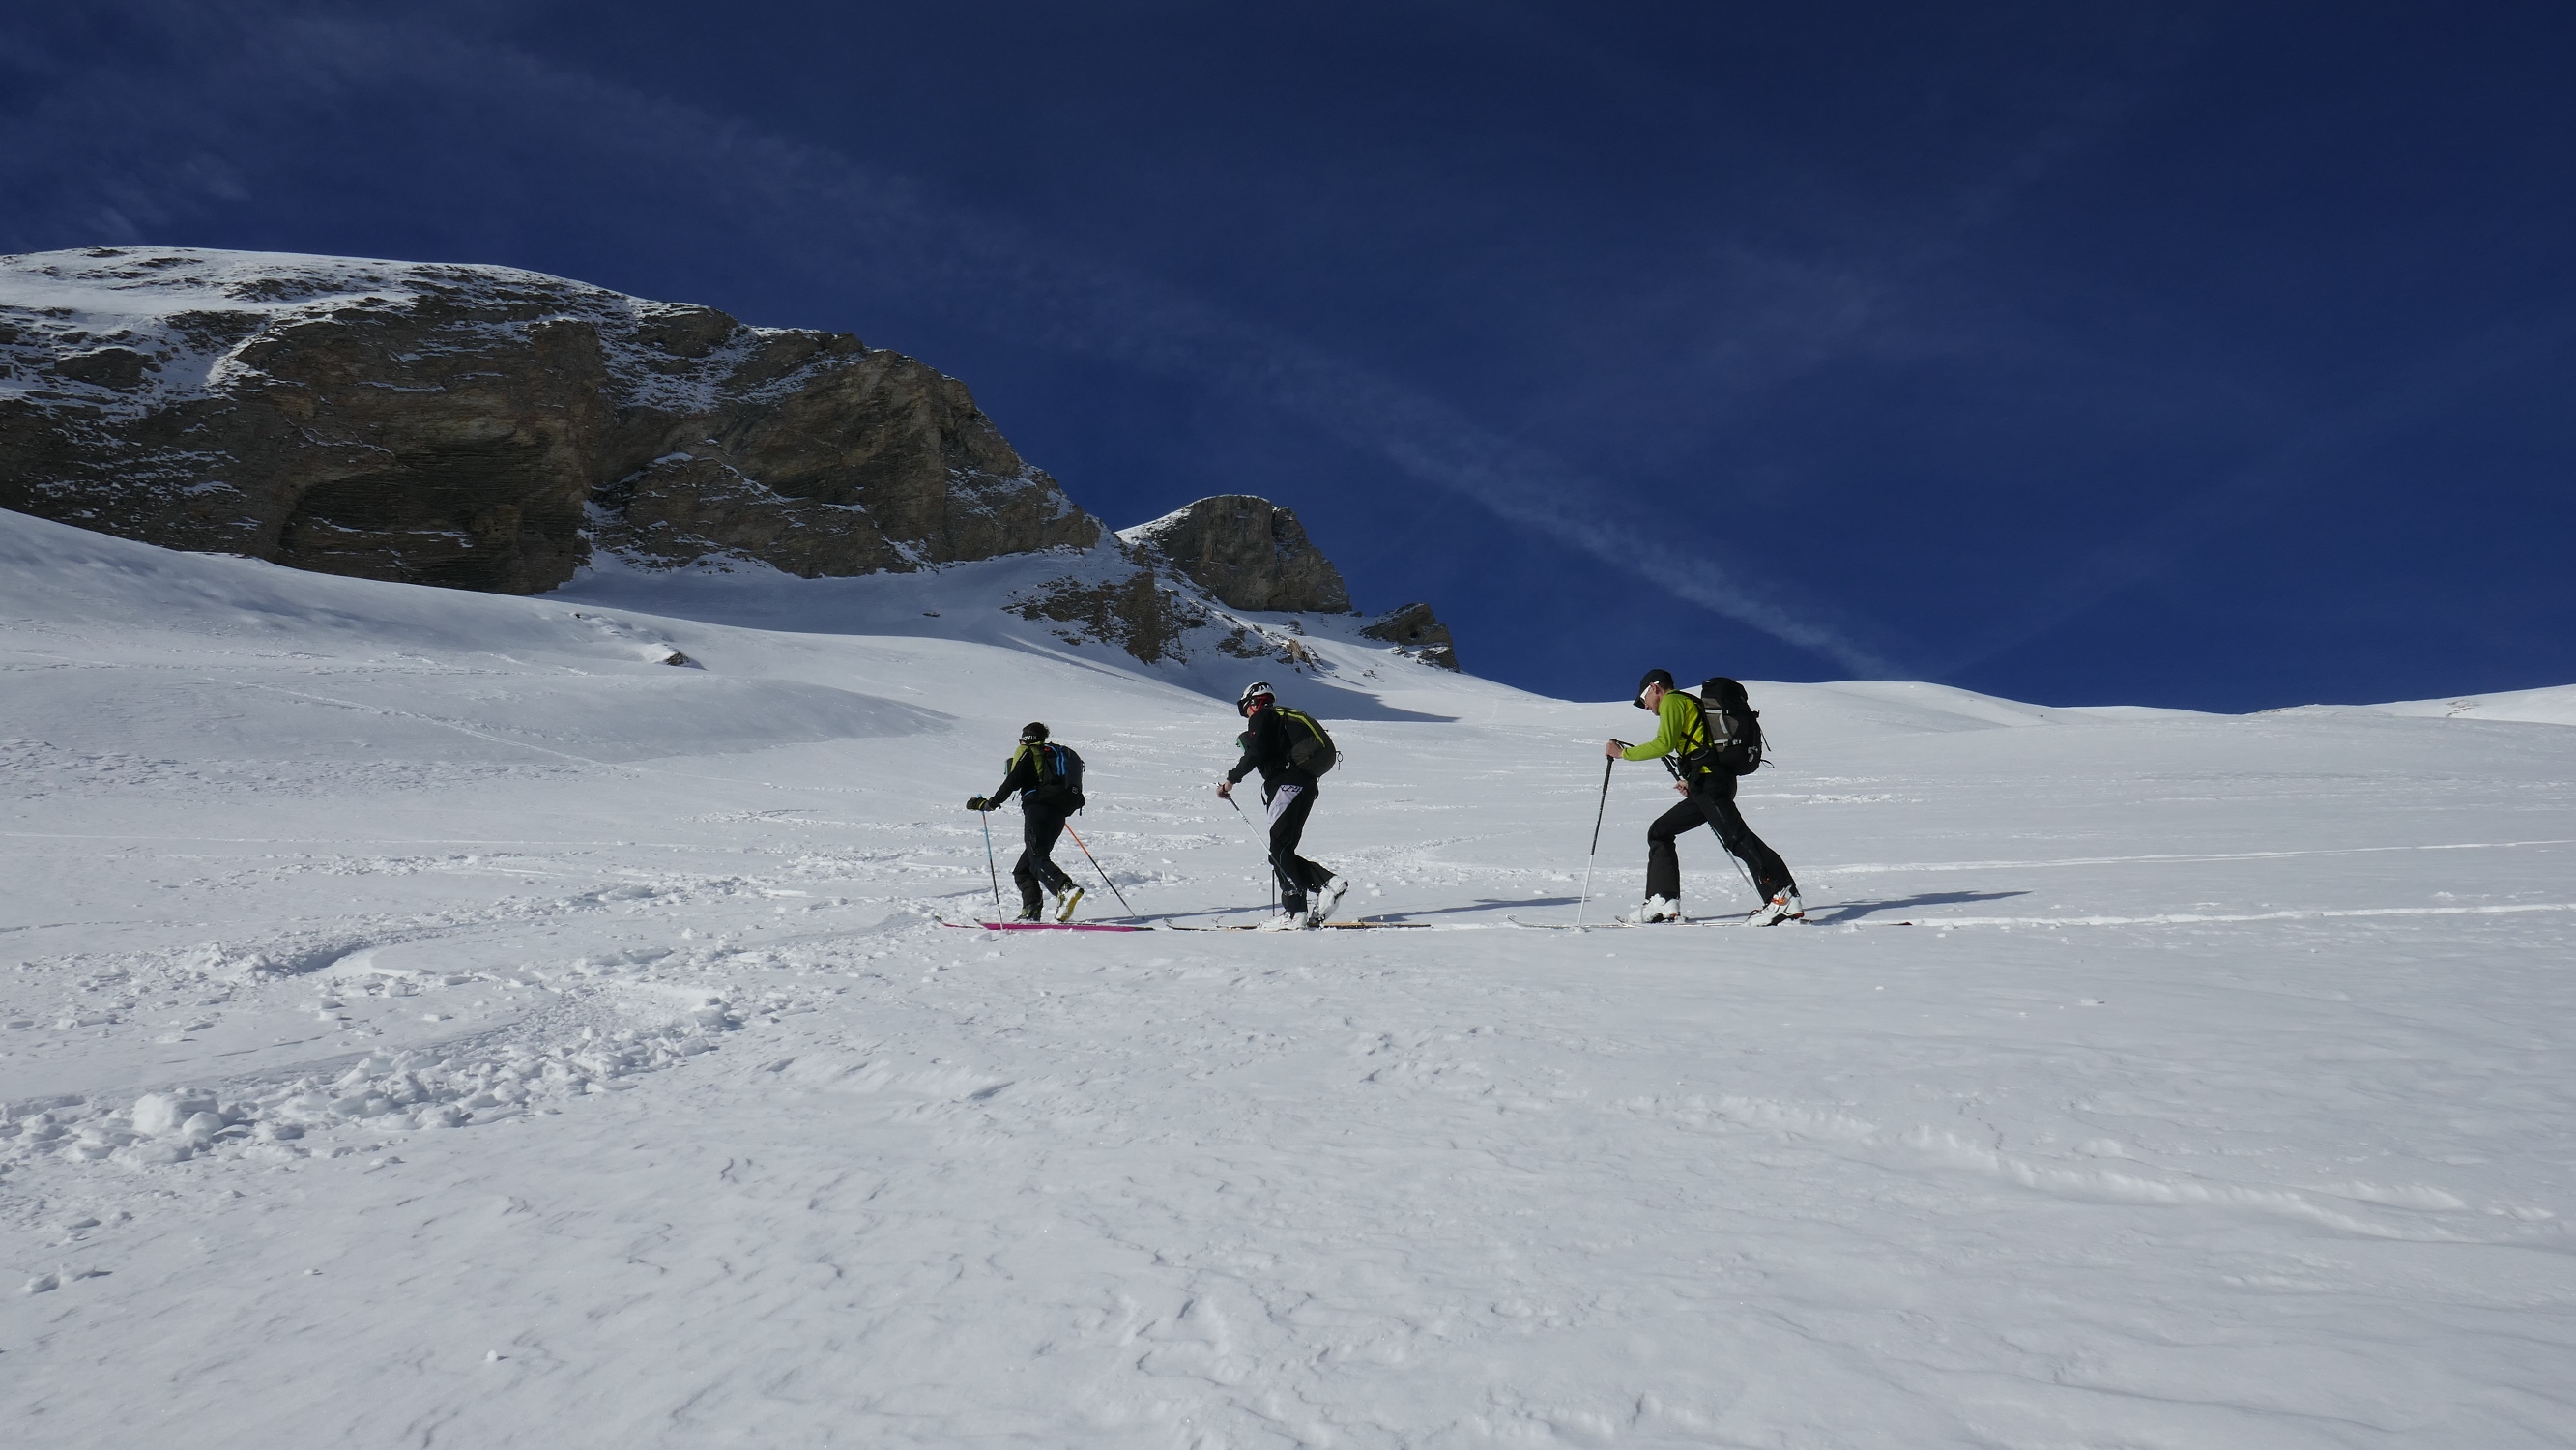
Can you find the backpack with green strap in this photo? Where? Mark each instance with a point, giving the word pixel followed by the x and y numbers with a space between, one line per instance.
pixel 1059 777
pixel 1310 749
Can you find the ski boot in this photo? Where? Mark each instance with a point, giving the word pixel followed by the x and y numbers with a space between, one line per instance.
pixel 1784 907
pixel 1325 901
pixel 1655 909
pixel 1065 903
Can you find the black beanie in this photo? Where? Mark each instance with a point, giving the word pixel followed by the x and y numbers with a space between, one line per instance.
pixel 1653 677
pixel 1034 730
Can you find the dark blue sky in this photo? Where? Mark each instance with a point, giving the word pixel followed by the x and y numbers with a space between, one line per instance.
pixel 2215 355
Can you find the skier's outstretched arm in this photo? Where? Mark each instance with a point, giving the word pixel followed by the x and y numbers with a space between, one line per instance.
pixel 1668 735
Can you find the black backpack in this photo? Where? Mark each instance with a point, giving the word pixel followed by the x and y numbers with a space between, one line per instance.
pixel 1314 753
pixel 1059 777
pixel 1734 727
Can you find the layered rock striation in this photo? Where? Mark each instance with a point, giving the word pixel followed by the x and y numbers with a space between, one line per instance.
pixel 482 427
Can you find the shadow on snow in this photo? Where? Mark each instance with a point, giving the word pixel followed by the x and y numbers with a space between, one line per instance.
pixel 1854 910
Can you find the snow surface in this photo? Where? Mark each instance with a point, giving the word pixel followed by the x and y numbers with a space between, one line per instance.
pixel 2553 706
pixel 430 1019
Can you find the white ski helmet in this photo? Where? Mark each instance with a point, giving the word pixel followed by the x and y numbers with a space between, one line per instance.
pixel 1257 690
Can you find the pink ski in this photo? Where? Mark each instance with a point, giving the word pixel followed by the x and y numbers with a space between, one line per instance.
pixel 1042 926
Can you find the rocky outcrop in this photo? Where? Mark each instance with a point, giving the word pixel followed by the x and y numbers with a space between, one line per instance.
pixel 1142 613
pixel 1416 630
pixel 482 427
pixel 1248 552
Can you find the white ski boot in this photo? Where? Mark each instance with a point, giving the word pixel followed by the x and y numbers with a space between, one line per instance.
pixel 1325 901
pixel 1655 909
pixel 1284 921
pixel 1784 907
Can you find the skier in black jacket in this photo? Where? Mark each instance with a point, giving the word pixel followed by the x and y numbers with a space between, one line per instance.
pixel 1041 823
pixel 1290 794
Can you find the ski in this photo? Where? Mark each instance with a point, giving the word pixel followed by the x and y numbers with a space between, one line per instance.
pixel 1044 926
pixel 1618 925
pixel 1326 926
pixel 1116 926
pixel 1613 924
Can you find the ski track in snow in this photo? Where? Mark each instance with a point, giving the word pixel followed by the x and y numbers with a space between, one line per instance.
pixel 401 1047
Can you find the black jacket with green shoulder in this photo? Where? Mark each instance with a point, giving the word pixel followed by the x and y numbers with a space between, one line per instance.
pixel 1265 748
pixel 1026 770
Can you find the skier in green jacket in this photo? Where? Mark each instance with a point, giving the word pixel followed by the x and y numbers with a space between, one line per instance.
pixel 1708 795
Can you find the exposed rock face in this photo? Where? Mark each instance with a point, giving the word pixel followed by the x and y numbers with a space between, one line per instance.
pixel 1141 613
pixel 1248 552
pixel 1415 628
pixel 482 427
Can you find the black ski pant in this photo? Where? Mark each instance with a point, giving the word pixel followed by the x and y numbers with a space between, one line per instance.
pixel 1712 800
pixel 1289 805
pixel 1040 826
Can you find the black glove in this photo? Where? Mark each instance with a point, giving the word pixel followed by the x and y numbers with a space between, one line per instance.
pixel 978 803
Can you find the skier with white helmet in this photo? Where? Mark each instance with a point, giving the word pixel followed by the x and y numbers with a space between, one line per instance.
pixel 1290 749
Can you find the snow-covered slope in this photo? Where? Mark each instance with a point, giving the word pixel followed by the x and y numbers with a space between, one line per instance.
pixel 2553 706
pixel 431 1018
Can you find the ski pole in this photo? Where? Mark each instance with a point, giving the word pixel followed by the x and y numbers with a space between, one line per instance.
pixel 1732 860
pixel 1597 813
pixel 1760 898
pixel 989 868
pixel 1274 871
pixel 1095 865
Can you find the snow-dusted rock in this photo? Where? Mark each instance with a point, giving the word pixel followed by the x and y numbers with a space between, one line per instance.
pixel 1416 628
pixel 481 427
pixel 1248 552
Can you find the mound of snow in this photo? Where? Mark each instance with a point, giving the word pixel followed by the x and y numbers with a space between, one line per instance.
pixel 154 651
